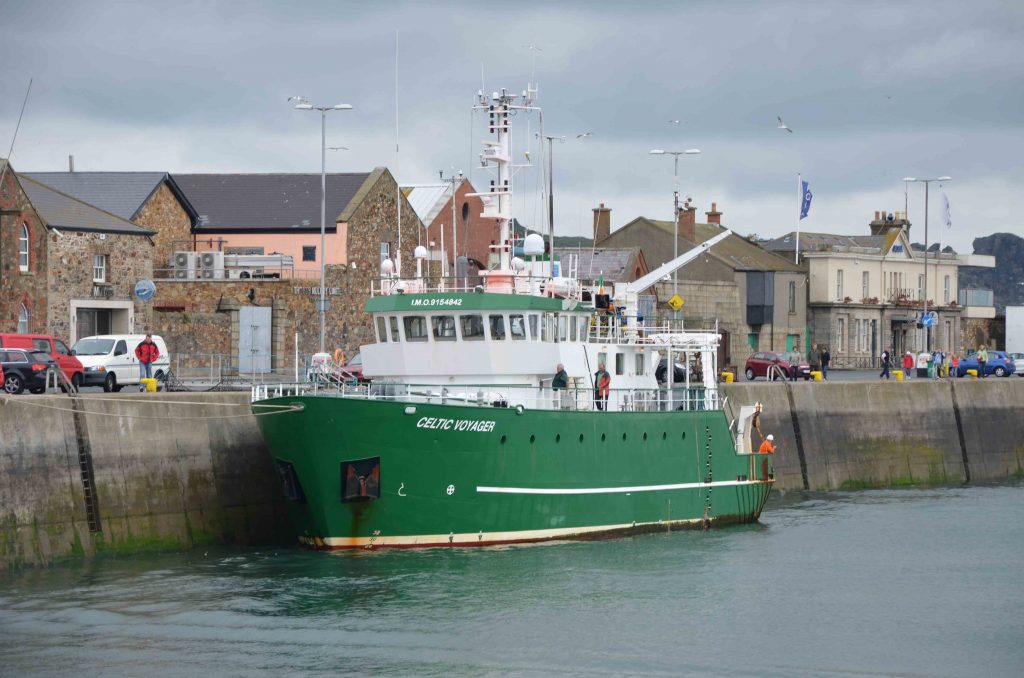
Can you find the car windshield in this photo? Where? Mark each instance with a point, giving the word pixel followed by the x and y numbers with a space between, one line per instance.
pixel 93 346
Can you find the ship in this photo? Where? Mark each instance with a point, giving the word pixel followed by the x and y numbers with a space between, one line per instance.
pixel 463 435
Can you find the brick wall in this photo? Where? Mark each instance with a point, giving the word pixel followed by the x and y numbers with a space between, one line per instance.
pixel 164 214
pixel 17 287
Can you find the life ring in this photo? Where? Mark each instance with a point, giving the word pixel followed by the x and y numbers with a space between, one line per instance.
pixel 339 357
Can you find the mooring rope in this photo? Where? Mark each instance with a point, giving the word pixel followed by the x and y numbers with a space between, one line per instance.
pixel 279 409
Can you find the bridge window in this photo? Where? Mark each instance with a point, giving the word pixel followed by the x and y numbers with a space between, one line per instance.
pixel 498 327
pixel 444 327
pixel 472 327
pixel 394 329
pixel 415 328
pixel 517 327
pixel 382 330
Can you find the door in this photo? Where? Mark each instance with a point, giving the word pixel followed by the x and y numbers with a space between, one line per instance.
pixel 254 339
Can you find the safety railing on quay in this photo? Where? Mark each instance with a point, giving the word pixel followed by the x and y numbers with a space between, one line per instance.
pixel 504 396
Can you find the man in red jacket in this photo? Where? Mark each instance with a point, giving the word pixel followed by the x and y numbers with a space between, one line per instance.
pixel 147 353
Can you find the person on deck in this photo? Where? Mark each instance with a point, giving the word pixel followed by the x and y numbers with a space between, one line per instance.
pixel 147 353
pixel 768 445
pixel 602 386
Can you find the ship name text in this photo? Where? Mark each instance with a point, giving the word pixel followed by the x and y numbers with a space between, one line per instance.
pixel 443 424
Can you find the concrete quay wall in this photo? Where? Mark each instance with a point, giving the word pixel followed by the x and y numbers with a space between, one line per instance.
pixel 131 472
pixel 874 434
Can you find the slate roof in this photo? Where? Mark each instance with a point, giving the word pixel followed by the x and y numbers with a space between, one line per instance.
pixel 64 212
pixel 245 203
pixel 616 264
pixel 427 200
pixel 735 251
pixel 120 193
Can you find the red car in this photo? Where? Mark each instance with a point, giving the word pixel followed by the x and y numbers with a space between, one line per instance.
pixel 758 364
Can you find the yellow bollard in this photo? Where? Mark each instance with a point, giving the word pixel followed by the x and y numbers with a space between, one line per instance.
pixel 150 385
pixel 727 377
pixel 816 375
pixel 898 374
pixel 972 373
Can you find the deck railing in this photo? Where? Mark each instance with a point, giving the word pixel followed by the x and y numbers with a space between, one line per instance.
pixel 505 396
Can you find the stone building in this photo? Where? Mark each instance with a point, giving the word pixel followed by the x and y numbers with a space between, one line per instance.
pixel 475 234
pixel 252 323
pixel 23 260
pixel 755 298
pixel 151 200
pixel 867 292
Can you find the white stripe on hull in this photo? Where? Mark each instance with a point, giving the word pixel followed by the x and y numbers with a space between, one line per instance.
pixel 615 490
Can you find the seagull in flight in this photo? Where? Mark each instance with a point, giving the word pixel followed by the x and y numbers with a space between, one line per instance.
pixel 782 125
pixel 584 134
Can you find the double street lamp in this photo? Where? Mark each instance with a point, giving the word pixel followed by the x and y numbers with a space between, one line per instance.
pixel 675 207
pixel 924 289
pixel 303 104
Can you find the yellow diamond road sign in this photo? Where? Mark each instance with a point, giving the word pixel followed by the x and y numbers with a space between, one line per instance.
pixel 676 302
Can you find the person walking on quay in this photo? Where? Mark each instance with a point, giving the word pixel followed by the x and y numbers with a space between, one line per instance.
pixel 147 353
pixel 826 359
pixel 908 364
pixel 886 364
pixel 602 386
pixel 982 359
pixel 559 384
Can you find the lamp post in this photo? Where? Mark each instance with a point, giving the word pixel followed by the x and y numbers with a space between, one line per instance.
pixel 924 290
pixel 303 104
pixel 675 209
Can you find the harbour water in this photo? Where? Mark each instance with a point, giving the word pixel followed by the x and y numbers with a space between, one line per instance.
pixel 904 581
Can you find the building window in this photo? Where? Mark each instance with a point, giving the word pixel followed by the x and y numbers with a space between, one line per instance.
pixel 840 341
pixel 385 251
pixel 99 268
pixel 945 290
pixel 865 285
pixel 920 286
pixel 23 320
pixel 839 285
pixel 792 296
pixel 309 252
pixel 23 249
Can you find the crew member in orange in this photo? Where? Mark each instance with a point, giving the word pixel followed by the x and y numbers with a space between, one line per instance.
pixel 768 446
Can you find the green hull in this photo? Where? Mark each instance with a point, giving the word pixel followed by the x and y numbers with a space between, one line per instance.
pixel 458 475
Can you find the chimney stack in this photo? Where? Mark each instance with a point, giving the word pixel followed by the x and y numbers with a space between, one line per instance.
pixel 71 163
pixel 688 222
pixel 602 223
pixel 714 216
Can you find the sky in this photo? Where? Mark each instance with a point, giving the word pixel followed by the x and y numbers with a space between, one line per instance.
pixel 874 91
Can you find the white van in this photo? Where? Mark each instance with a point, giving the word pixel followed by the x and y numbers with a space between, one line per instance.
pixel 109 360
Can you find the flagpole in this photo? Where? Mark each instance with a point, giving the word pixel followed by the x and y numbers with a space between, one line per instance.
pixel 799 211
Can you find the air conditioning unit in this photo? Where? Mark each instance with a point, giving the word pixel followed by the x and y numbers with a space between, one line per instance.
pixel 244 273
pixel 210 265
pixel 184 265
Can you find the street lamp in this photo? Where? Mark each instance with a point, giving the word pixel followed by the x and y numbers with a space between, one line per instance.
pixel 675 211
pixel 303 104
pixel 924 313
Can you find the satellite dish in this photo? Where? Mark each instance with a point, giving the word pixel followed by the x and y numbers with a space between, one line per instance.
pixel 144 289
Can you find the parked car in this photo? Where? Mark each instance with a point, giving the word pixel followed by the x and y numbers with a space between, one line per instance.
pixel 24 369
pixel 758 364
pixel 998 363
pixel 55 348
pixel 1018 362
pixel 109 359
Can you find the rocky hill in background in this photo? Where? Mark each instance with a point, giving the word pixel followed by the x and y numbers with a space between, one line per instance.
pixel 1006 280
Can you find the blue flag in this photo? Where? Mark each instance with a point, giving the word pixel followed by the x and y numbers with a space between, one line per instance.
pixel 805 205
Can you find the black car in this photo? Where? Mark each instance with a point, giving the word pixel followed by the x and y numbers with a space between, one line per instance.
pixel 25 369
